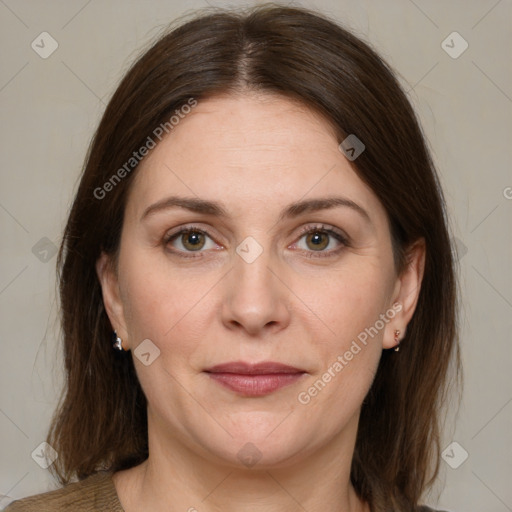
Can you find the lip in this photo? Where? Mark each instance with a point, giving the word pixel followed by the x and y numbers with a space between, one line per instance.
pixel 249 379
pixel 263 368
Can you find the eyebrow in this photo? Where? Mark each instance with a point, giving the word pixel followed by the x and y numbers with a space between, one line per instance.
pixel 215 208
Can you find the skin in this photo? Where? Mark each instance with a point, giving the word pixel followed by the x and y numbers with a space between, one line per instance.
pixel 255 154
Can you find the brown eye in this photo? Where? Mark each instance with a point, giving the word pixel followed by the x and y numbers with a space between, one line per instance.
pixel 321 241
pixel 190 242
pixel 193 240
pixel 317 240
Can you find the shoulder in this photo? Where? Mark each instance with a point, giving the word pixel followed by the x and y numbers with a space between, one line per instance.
pixel 96 492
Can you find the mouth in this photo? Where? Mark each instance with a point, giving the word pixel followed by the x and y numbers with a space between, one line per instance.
pixel 258 379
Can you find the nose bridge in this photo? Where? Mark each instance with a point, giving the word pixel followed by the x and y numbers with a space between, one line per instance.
pixel 254 296
pixel 251 272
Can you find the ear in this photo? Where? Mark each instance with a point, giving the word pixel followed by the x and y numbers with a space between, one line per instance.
pixel 107 276
pixel 406 293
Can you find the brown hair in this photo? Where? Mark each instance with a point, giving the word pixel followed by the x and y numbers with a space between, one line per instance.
pixel 101 421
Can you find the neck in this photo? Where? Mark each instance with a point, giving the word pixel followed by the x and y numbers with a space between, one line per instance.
pixel 175 477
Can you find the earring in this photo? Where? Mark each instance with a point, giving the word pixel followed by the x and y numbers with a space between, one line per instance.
pixel 118 342
pixel 397 341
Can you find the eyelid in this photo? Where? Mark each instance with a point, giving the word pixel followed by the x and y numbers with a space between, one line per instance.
pixel 320 226
pixel 183 229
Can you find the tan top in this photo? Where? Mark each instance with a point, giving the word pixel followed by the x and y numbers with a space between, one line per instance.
pixel 96 493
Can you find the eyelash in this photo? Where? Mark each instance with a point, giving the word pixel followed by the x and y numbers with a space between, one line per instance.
pixel 304 231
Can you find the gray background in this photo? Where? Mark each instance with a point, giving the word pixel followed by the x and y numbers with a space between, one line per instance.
pixel 50 107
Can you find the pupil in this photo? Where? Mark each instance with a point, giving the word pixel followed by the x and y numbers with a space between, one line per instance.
pixel 193 237
pixel 316 238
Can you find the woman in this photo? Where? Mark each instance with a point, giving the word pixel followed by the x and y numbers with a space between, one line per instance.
pixel 260 231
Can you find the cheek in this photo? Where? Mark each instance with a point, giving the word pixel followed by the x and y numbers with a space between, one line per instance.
pixel 350 309
pixel 169 306
pixel 352 300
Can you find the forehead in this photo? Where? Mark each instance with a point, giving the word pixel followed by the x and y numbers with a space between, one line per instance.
pixel 249 149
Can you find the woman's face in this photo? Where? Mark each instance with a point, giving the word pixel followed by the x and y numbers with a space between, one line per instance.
pixel 267 273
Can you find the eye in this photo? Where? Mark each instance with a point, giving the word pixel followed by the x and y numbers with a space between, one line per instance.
pixel 189 239
pixel 318 238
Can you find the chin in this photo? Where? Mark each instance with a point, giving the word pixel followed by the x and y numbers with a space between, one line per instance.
pixel 265 450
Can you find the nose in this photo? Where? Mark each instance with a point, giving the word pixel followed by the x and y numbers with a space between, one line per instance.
pixel 256 298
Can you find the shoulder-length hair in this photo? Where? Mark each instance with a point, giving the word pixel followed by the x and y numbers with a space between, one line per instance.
pixel 101 421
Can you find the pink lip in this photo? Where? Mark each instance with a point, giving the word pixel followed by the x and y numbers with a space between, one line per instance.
pixel 254 379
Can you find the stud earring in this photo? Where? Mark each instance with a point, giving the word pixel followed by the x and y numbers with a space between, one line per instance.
pixel 118 342
pixel 397 341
